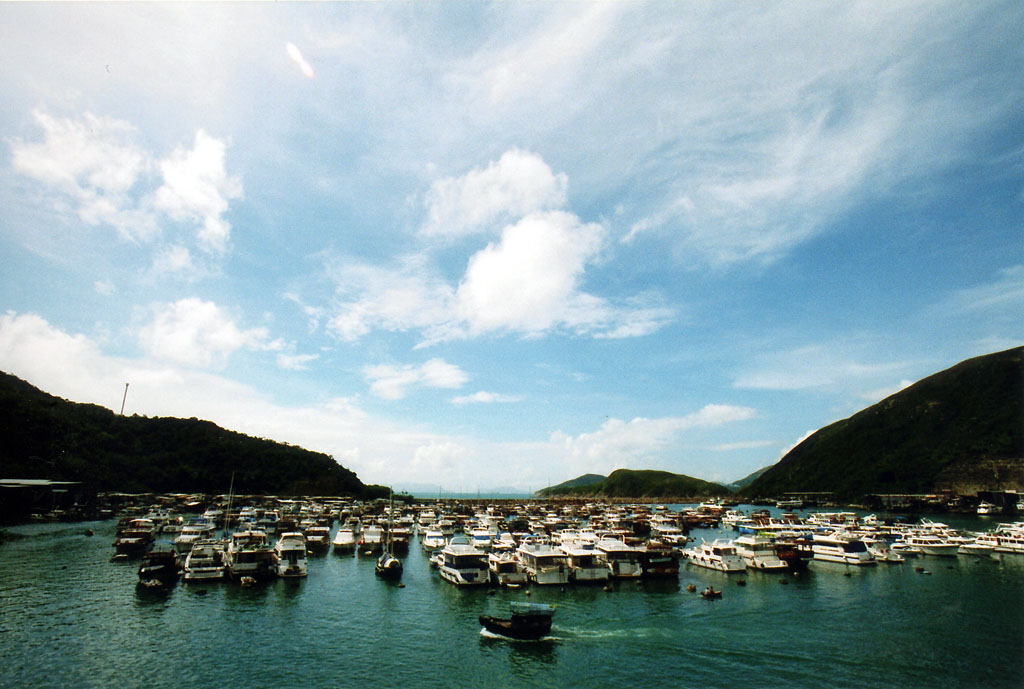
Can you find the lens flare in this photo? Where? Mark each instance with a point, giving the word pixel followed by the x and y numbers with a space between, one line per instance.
pixel 294 54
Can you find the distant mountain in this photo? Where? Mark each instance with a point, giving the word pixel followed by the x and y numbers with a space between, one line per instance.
pixel 48 437
pixel 630 483
pixel 578 482
pixel 748 479
pixel 961 430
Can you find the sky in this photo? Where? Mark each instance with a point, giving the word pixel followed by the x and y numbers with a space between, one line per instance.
pixel 465 247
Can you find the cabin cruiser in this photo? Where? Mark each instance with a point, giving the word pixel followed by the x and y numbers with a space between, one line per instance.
pixel 290 555
pixel 197 529
pixel 720 555
pixel 584 565
pixel 463 564
pixel 433 539
pixel 249 554
pixel 621 560
pixel 160 565
pixel 135 538
pixel 931 544
pixel 482 539
pixel 543 563
pixel 505 569
pixel 372 538
pixel 841 548
pixel 318 538
pixel 659 560
pixel 205 562
pixel 344 540
pixel 759 552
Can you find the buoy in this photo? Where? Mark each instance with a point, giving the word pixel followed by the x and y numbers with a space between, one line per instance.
pixel 691 587
pixel 608 588
pixel 90 532
pixel 741 582
pixel 401 585
pixel 529 592
pixel 847 574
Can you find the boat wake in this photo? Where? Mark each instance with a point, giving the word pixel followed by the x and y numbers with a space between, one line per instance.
pixel 487 634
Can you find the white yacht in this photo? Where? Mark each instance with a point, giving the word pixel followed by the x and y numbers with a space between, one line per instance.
pixel 584 565
pixel 249 554
pixel 621 560
pixel 482 539
pixel 433 539
pixel 318 538
pixel 198 529
pixel 932 544
pixel 847 550
pixel 463 564
pixel 759 552
pixel 505 569
pixel 720 555
pixel 205 562
pixel 543 563
pixel 344 540
pixel 372 538
pixel 290 554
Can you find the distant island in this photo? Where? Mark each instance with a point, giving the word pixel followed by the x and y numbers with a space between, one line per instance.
pixel 631 483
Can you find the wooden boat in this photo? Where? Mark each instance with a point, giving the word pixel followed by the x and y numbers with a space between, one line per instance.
pixel 710 593
pixel 529 621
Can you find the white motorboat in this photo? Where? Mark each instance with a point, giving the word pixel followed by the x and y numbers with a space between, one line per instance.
pixel 543 563
pixel 584 565
pixel 198 529
pixel 318 538
pixel 844 549
pixel 505 569
pixel 433 539
pixel 720 555
pixel 621 560
pixel 463 564
pixel 205 562
pixel 249 554
pixel 290 555
pixel 932 544
pixel 372 538
pixel 344 541
pixel 759 552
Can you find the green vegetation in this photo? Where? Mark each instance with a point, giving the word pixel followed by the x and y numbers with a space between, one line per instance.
pixel 48 437
pixel 960 430
pixel 629 483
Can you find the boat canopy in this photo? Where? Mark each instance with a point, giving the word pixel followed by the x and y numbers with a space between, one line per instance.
pixel 533 609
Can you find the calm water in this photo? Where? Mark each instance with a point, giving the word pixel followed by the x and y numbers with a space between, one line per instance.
pixel 71 618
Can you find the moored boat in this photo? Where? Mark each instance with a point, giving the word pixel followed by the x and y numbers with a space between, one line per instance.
pixel 205 562
pixel 160 565
pixel 290 555
pixel 463 565
pixel 720 555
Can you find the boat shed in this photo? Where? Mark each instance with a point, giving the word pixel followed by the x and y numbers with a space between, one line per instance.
pixel 24 498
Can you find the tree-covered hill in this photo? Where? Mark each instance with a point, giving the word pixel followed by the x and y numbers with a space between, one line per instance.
pixel 49 437
pixel 631 483
pixel 960 430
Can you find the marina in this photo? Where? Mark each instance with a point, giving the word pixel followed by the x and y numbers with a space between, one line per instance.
pixel 73 616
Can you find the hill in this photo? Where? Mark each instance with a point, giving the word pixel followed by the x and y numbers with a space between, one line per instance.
pixel 748 479
pixel 49 437
pixel 579 481
pixel 630 483
pixel 961 430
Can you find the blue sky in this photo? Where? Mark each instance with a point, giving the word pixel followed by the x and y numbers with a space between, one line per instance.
pixel 476 247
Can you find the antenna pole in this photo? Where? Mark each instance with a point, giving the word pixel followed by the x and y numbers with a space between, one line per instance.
pixel 124 399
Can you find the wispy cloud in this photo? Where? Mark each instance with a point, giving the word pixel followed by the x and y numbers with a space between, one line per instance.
pixel 811 366
pixel 484 397
pixel 391 381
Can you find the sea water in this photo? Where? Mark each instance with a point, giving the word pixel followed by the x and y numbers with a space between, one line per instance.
pixel 69 617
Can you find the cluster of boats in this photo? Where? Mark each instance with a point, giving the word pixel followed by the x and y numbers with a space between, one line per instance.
pixel 516 545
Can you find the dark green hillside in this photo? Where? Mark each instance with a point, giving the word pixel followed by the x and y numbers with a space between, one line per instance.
pixel 579 481
pixel 629 483
pixel 48 437
pixel 960 430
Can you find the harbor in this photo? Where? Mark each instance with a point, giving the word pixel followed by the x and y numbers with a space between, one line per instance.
pixel 75 615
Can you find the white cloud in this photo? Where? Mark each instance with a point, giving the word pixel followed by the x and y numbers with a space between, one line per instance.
pixel 296 362
pixel 516 185
pixel 196 186
pixel 391 382
pixel 173 260
pixel 741 445
pixel 484 397
pixel 527 283
pixel 882 393
pixel 617 442
pixel 95 161
pixel 198 333
pixel 812 366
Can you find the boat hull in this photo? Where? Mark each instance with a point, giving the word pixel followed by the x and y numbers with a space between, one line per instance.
pixel 528 629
